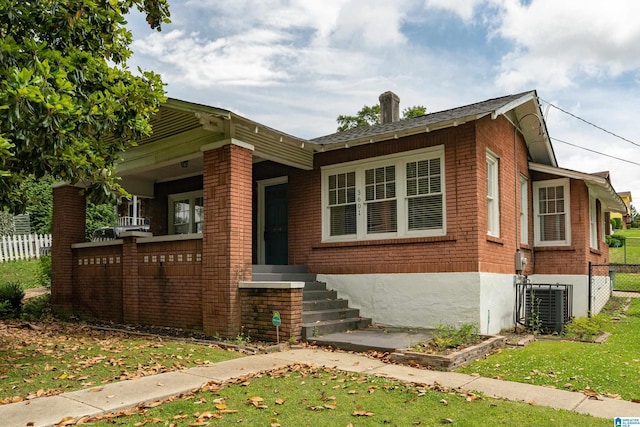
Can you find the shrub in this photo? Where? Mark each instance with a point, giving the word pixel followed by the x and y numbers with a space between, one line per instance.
pixel 585 328
pixel 616 223
pixel 615 240
pixel 37 308
pixel 44 273
pixel 447 336
pixel 6 311
pixel 11 295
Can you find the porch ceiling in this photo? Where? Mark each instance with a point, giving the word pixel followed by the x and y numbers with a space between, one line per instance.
pixel 181 128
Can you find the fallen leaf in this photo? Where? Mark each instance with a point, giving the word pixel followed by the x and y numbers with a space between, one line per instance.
pixel 279 401
pixel 362 414
pixel 444 402
pixel 66 421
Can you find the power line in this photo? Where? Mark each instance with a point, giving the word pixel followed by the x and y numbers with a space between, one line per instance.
pixel 596 152
pixel 591 124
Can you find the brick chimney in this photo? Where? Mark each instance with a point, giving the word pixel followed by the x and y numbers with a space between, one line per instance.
pixel 389 107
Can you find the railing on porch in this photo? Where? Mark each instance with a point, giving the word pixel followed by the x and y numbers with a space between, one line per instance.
pixel 131 220
pixel 24 247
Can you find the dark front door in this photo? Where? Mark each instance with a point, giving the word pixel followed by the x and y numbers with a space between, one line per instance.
pixel 276 225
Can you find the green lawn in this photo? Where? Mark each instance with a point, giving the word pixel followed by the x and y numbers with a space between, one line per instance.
pixel 611 368
pixel 632 255
pixel 303 396
pixel 57 357
pixel 24 272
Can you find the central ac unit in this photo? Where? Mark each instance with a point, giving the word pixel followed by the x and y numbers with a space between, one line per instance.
pixel 547 309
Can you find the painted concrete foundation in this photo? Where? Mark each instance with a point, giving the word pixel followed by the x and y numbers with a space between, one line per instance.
pixel 425 300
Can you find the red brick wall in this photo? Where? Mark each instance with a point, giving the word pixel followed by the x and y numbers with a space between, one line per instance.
pixel 455 252
pixel 97 283
pixel 165 288
pixel 496 254
pixel 258 306
pixel 169 283
pixel 68 227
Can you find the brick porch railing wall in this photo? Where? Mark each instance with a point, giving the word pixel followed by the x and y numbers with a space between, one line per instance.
pixel 97 282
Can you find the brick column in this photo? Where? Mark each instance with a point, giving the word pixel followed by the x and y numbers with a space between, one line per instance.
pixel 68 227
pixel 130 279
pixel 226 237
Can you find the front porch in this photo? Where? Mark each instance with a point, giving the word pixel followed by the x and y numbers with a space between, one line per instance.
pixel 212 186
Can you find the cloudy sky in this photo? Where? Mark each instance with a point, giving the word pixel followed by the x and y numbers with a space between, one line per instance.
pixel 296 65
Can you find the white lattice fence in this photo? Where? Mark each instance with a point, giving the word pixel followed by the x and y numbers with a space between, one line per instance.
pixel 24 247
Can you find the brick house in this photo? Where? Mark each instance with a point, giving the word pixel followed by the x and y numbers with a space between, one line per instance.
pixel 415 222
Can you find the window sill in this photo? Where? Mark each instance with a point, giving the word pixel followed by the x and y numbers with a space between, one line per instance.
pixel 525 247
pixel 595 251
pixel 378 242
pixel 554 248
pixel 494 239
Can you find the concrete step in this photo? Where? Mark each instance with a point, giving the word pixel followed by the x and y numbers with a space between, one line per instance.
pixel 315 286
pixel 324 304
pixel 318 295
pixel 283 277
pixel 319 328
pixel 331 314
pixel 278 268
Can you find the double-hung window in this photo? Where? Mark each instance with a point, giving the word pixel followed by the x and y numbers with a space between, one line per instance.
pixel 394 196
pixel 524 210
pixel 380 199
pixel 552 214
pixel 493 198
pixel 593 222
pixel 186 213
pixel 342 204
pixel 425 201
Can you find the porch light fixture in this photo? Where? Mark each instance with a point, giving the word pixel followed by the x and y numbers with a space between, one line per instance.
pixel 184 164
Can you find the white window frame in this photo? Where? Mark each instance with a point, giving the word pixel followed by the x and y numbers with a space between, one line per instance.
pixel 493 195
pixel 564 182
pixel 399 160
pixel 593 222
pixel 191 196
pixel 524 210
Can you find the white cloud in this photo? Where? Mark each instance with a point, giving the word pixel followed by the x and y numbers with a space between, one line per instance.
pixel 464 9
pixel 296 65
pixel 254 58
pixel 558 42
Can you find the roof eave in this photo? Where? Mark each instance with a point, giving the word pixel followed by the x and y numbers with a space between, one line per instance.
pixel 347 143
pixel 611 201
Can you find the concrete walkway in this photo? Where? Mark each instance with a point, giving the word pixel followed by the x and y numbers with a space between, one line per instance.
pixel 47 411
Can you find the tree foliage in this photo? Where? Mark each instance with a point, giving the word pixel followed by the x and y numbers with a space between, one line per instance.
pixel 370 115
pixel 36 199
pixel 69 105
pixel 635 217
